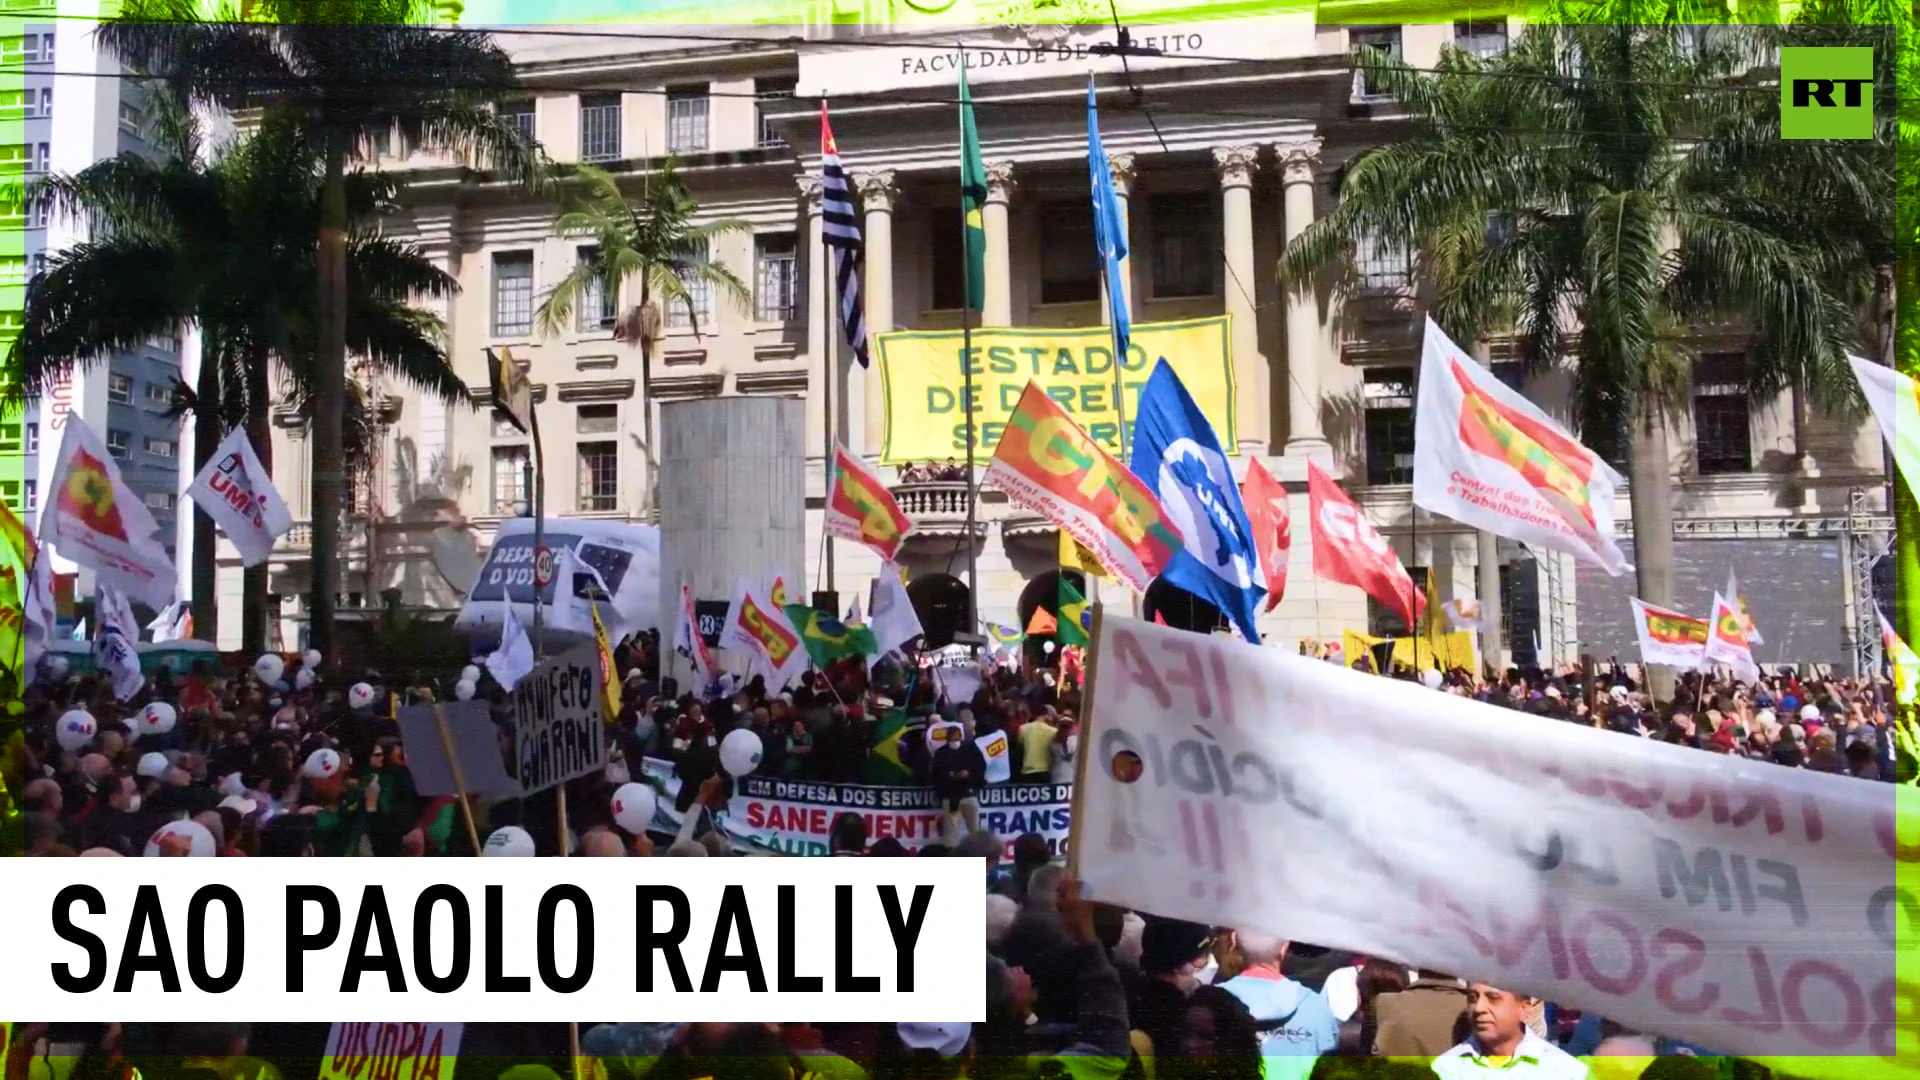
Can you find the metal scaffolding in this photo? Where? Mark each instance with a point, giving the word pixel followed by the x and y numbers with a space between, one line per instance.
pixel 1863 543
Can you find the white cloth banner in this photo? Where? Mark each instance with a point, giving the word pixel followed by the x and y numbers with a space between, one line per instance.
pixel 1485 456
pixel 1734 904
pixel 114 649
pixel 891 616
pixel 513 660
pixel 1895 401
pixel 236 492
pixel 97 521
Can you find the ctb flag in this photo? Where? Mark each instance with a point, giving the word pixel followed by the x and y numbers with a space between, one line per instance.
pixel 763 632
pixel 236 492
pixel 1349 550
pixel 861 509
pixel 1266 504
pixel 1177 455
pixel 1668 637
pixel 1727 642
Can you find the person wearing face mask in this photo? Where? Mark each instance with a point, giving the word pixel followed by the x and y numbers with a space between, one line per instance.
pixel 1174 962
pixel 1294 1023
pixel 127 822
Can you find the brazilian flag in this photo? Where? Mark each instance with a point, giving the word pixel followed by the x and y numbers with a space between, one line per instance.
pixel 973 200
pixel 883 758
pixel 828 639
pixel 1076 620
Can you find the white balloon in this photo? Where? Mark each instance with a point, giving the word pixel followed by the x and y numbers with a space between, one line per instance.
pixel 303 679
pixel 231 784
pixel 464 690
pixel 633 807
pixel 76 729
pixel 269 668
pixel 152 766
pixel 321 764
pixel 1430 679
pixel 157 718
pixel 199 840
pixel 470 673
pixel 510 841
pixel 740 752
pixel 360 696
pixel 312 658
pixel 56 667
pixel 1047 647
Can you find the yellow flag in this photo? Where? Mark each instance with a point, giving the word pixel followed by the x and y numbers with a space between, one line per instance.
pixel 609 677
pixel 1075 557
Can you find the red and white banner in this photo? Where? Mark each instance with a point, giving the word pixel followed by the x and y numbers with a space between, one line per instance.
pixel 97 521
pixel 1669 637
pixel 1729 903
pixel 236 492
pixel 1266 503
pixel 860 508
pixel 1349 550
pixel 1485 456
pixel 1727 642
pixel 687 640
pixel 762 630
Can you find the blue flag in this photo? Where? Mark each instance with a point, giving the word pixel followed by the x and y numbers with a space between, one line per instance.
pixel 1177 455
pixel 1109 229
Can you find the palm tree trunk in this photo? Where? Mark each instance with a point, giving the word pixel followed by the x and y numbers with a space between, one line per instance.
pixel 253 610
pixel 204 560
pixel 1652 497
pixel 330 392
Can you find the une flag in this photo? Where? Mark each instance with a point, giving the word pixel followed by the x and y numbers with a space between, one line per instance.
pixel 113 648
pixel 1668 637
pixel 235 491
pixel 1727 641
pixel 97 521
pixel 861 509
pixel 1487 457
pixel 1178 456
pixel 1895 401
pixel 1047 464
pixel 1349 550
pixel 1266 504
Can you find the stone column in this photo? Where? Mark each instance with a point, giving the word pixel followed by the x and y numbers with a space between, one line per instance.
pixel 877 194
pixel 1298 159
pixel 819 325
pixel 1121 167
pixel 1236 165
pixel 998 307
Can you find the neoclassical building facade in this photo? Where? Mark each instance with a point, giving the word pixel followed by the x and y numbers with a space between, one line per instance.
pixel 1223 145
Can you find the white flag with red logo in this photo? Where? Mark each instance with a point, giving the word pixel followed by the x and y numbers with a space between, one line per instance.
pixel 1349 550
pixel 1727 640
pixel 236 492
pixel 1266 503
pixel 1485 456
pixel 97 521
pixel 687 640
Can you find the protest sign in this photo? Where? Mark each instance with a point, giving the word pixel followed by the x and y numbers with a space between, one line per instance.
pixel 994 748
pixel 1729 903
pixel 391 1052
pixel 559 733
pixel 926 415
pixel 475 741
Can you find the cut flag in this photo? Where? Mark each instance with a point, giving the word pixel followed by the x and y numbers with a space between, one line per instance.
pixel 1109 229
pixel 1266 503
pixel 1349 550
pixel 1178 457
pixel 1047 464
pixel 828 639
pixel 763 632
pixel 97 521
pixel 1487 457
pixel 1076 616
pixel 1005 636
pixel 1079 558
pixel 235 491
pixel 609 671
pixel 1669 638
pixel 1895 401
pixel 1043 624
pixel 861 509
pixel 1727 641
pixel 1739 603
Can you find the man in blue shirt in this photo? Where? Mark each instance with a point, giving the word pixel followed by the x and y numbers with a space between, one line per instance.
pixel 1295 1024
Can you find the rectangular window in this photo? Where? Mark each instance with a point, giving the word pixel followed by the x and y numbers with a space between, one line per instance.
pixel 769 90
pixel 12 154
pixel 10 493
pixel 943 246
pixel 46 102
pixel 504 429
pixel 9 438
pixel 133 120
pixel 697 309
pixel 118 442
pixel 1380 267
pixel 15 49
pixel 159 393
pixel 1184 254
pixel 120 389
pixel 36 264
pixel 1385 39
pixel 1388 396
pixel 509 478
pixel 1722 414
pixel 42 157
pixel 776 286
pixel 596 307
pixel 522 115
pixel 46 48
pixel 599 472
pixel 686 119
pixel 160 448
pixel 36 215
pixel 13 269
pixel 159 500
pixel 33 438
pixel 33 495
pixel 15 104
pixel 596 419
pixel 512 293
pixel 1069 271
pixel 599 127
pixel 1485 40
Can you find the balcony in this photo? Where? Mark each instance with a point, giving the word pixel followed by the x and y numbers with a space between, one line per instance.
pixel 938 507
pixel 299 538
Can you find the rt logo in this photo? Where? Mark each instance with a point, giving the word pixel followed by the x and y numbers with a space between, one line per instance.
pixel 1826 93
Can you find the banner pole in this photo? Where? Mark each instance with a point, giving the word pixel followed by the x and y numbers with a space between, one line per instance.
pixel 829 368
pixel 538 500
pixel 459 779
pixel 1086 746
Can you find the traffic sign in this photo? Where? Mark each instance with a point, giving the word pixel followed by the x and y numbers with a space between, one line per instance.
pixel 543 566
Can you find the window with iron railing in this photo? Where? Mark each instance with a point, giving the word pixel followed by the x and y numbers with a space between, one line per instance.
pixel 770 90
pixel 599 127
pixel 598 467
pixel 512 293
pixel 1069 274
pixel 687 120
pixel 1184 254
pixel 119 443
pixel 120 389
pixel 522 115
pixel 33 495
pixel 1485 40
pixel 1722 414
pixel 776 286
pixel 1388 397
pixel 1381 266
pixel 509 478
pixel 1385 39
pixel 697 309
pixel 598 301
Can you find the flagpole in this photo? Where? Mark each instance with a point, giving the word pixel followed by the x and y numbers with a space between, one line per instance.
pixel 966 375
pixel 829 340
pixel 537 482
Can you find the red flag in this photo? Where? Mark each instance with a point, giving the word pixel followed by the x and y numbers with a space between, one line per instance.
pixel 1349 550
pixel 1266 503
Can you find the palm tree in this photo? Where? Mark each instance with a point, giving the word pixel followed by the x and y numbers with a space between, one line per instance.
pixel 348 75
pixel 1576 192
pixel 653 241
pixel 223 241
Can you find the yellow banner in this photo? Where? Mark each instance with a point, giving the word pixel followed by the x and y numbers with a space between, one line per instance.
pixel 923 379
